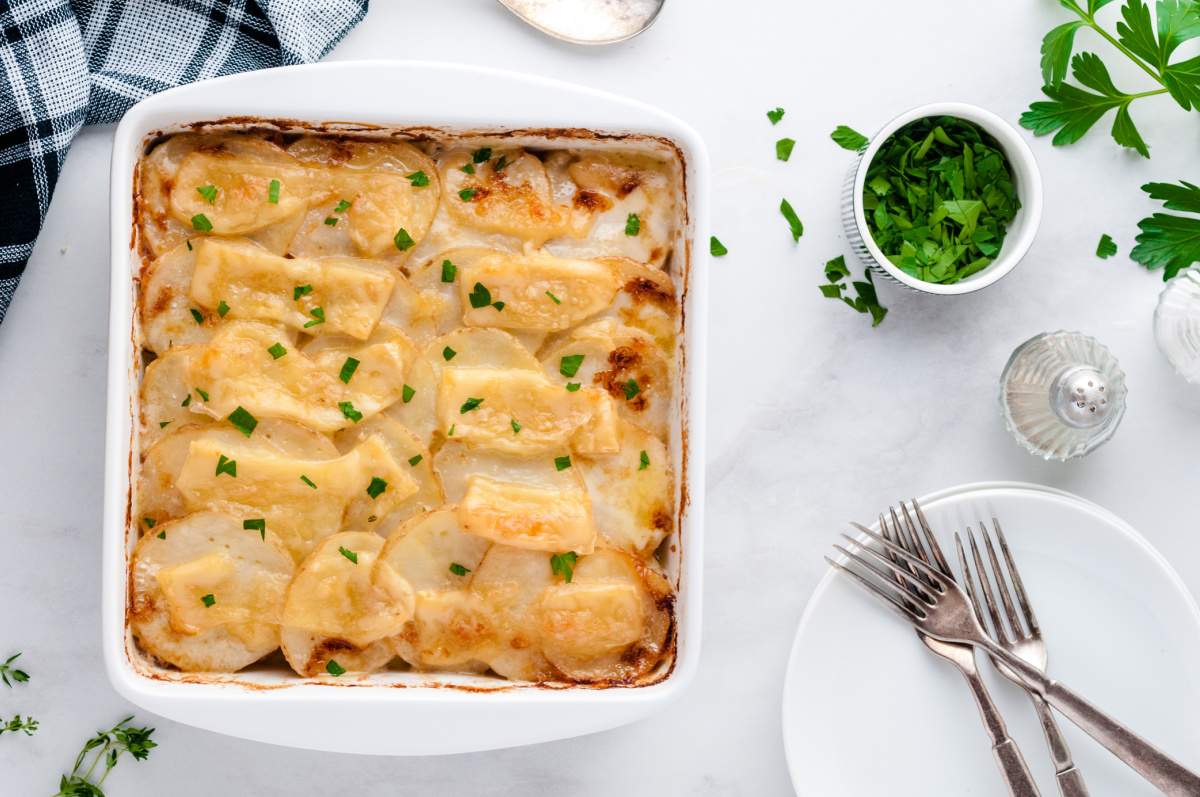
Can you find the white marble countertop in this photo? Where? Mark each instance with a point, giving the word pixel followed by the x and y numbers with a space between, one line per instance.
pixel 814 417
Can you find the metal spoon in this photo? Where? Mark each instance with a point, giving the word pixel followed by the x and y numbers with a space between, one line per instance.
pixel 587 21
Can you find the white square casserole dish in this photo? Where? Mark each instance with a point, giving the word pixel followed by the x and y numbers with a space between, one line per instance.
pixel 396 713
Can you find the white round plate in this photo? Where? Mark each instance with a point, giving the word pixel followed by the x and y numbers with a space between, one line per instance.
pixel 868 710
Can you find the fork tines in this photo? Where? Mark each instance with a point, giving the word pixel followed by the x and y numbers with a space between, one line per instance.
pixel 1019 626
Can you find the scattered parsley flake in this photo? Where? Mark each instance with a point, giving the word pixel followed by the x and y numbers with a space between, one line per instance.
pixel 318 314
pixel 516 427
pixel 633 224
pixel 348 369
pixel 334 669
pixel 196 315
pixel 222 308
pixel 301 290
pixel 467 194
pixel 226 465
pixel 716 248
pixel 414 461
pixel 403 240
pixel 500 163
pixel 277 350
pixel 849 138
pixel 470 404
pixel 783 148
pixel 376 487
pixel 201 223
pixel 341 207
pixel 482 154
pixel 448 271
pixel 448 354
pixel 208 600
pixel 554 298
pixel 203 394
pixel 458 569
pixel 480 296
pixel 794 223
pixel 631 389
pixel 563 462
pixel 273 192
pixel 407 393
pixel 256 524
pixel 775 115
pixel 563 564
pixel 418 179
pixel 569 364
pixel 162 535
pixel 1106 248
pixel 331 221
pixel 643 460
pixel 149 521
pixel 347 408
pixel 308 481
pixel 450 433
pixel 209 192
pixel 243 421
pixel 573 386
pixel 468 168
pixel 163 424
pixel 349 554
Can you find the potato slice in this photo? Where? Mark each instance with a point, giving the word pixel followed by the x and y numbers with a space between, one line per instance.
pixel 510 582
pixel 169 314
pixel 526 516
pixel 238 368
pixel 165 388
pixel 646 302
pixel 255 284
pixel 609 188
pixel 515 200
pixel 626 363
pixel 158 496
pixel 367 194
pixel 377 381
pixel 611 623
pixel 341 607
pixel 206 594
pixel 456 462
pixel 433 553
pixel 405 447
pixel 303 500
pixel 632 492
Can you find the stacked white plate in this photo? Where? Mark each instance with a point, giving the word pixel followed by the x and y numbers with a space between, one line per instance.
pixel 868 711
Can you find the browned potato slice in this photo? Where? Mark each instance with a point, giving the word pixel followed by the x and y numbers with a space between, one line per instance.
pixel 407 449
pixel 207 593
pixel 368 193
pixel 168 311
pixel 625 362
pixel 611 623
pixel 646 302
pixel 515 200
pixel 510 582
pixel 456 462
pixel 165 404
pixel 158 496
pixel 342 608
pixel 610 187
pixel 632 491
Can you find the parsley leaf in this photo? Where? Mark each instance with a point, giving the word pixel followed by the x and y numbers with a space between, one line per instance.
pixel 775 115
pixel 8 671
pixel 376 487
pixel 208 600
pixel 226 465
pixel 403 240
pixel 243 421
pixel 569 364
pixel 348 369
pixel 573 386
pixel 631 389
pixel 349 554
pixel 716 248
pixel 562 463
pixel 643 460
pixel 633 224
pixel 516 427
pixel 793 220
pixel 458 569
pixel 418 179
pixel 563 564
pixel 334 669
pixel 415 460
pixel 301 290
pixel 1167 241
pixel 273 192
pixel 308 481
pixel 407 394
pixel 256 524
pixel 480 296
pixel 783 148
pixel 1106 248
pixel 1056 52
pixel 318 314
pixel 849 138
pixel 222 308
pixel 448 271
pixel 201 223
pixel 276 350
pixel 209 192
pixel 554 298
pixel 347 408
pixel 342 206
pixel 448 354
pixel 197 316
pixel 470 404
pixel 467 194
pixel 482 154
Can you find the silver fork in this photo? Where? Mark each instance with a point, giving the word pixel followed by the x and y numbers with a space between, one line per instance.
pixel 940 608
pixel 1008 756
pixel 1024 641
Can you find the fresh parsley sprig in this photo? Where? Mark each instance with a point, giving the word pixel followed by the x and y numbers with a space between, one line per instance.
pixel 1168 241
pixel 865 300
pixel 108 747
pixel 1072 111
pixel 8 671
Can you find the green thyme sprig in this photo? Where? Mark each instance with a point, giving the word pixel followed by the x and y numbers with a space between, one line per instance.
pixel 105 748
pixel 8 671
pixel 27 726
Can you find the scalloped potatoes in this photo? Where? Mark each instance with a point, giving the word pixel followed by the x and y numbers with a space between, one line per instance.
pixel 406 405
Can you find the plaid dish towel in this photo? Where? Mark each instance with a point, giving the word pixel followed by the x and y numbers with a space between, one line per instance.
pixel 66 64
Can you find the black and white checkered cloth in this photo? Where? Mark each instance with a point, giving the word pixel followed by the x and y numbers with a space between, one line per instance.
pixel 66 64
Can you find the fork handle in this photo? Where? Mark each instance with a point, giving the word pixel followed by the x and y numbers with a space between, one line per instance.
pixel 1070 779
pixel 1165 773
pixel 1008 756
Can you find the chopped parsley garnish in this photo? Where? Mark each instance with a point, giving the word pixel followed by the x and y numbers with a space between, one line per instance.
pixel 196 315
pixel 209 192
pixel 783 148
pixel 149 521
pixel 349 554
pixel 715 247
pixel 163 424
pixel 243 421
pixel 467 194
pixel 201 223
pixel 644 460
pixel 448 354
pixel 308 481
pixel 866 300
pixel 406 395
pixel 794 223
pixel 1106 248
pixel 498 305
pixel 208 600
pixel 226 465
pixel 849 138
pixel 775 115
pixel 186 400
pixel 480 296
pixel 341 207
pixel 347 408
pixel 334 669
pixel 569 364
pixel 563 462
pixel 276 350
pixel 482 154
pixel 458 569
pixel 554 298
pixel 189 244
pixel 318 314
pixel 500 163
pixel 331 221
pixel 516 426
pixel 162 535
pixel 470 404
pixel 403 240
pixel 202 393
pixel 348 369
pixel 450 433
pixel 573 386
pixel 376 487
pixel 563 564
pixel 469 168
pixel 633 225
pixel 273 192
pixel 301 290
pixel 448 271
pixel 414 461
pixel 418 179
pixel 631 389
pixel 256 524
pixel 222 308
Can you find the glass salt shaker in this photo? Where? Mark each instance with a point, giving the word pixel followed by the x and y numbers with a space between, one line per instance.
pixel 1063 394
pixel 1177 324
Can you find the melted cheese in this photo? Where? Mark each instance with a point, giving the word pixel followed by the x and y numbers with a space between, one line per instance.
pixel 591 619
pixel 256 284
pixel 515 200
pixel 237 369
pixel 524 516
pixel 236 598
pixel 243 184
pixel 269 485
pixel 526 282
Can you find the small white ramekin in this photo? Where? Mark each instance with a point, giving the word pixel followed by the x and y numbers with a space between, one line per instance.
pixel 1021 230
